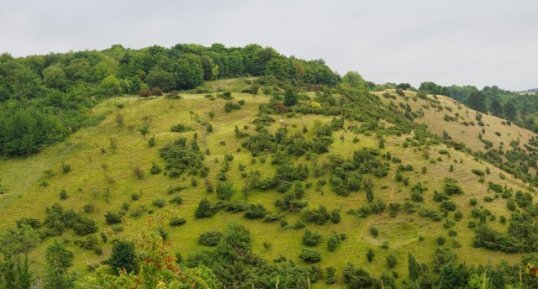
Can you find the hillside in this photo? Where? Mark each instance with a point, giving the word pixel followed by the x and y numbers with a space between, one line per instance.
pixel 397 188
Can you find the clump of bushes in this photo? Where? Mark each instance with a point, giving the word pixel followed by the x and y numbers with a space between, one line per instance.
pixel 181 128
pixel 181 157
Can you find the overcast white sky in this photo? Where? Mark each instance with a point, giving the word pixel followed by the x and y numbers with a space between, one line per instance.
pixel 480 42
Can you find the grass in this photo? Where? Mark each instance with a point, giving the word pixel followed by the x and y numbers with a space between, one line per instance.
pixel 103 176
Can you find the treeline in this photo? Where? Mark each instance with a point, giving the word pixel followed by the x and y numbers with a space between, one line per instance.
pixel 516 107
pixel 44 98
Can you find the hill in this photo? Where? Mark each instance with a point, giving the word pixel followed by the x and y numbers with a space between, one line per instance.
pixel 320 177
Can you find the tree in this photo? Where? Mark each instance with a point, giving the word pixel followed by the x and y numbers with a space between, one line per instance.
pixel 111 85
pixel 357 278
pixel 158 77
pixel 259 60
pixel 189 73
pixel 278 67
pixel 54 77
pixel 25 130
pixel 316 72
pixel 453 276
pixel 496 107
pixel 477 101
pixel 59 260
pixel 123 257
pixel 290 98
pixel 14 247
pixel 211 70
pixel 510 111
pixel 414 268
pixel 354 79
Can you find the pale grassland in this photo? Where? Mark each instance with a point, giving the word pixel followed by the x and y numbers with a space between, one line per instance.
pixel 467 134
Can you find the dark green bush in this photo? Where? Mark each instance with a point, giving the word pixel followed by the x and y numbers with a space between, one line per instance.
pixel 311 238
pixel 177 221
pixel 310 256
pixel 210 239
pixel 255 211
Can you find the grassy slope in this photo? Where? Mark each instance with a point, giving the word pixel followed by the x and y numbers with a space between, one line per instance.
pixel 459 132
pixel 93 172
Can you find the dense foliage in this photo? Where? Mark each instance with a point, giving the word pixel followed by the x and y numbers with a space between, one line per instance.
pixel 44 98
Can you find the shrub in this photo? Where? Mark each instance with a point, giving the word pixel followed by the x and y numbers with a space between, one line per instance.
pixel 63 195
pixel 177 221
pixel 473 202
pixel 181 128
pixel 210 238
pixel 330 275
pixel 255 211
pixel 448 206
pixel 88 208
pixel 357 277
pixel 159 203
pixel 84 226
pixel 441 240
pixel 151 141
pixel 319 216
pixel 113 218
pixel 335 216
pixel 155 169
pixel 370 255
pixel 138 172
pixel 229 106
pixel 298 225
pixel 181 157
pixel 66 168
pixel 225 190
pixel 310 256
pixel 478 172
pixel 374 232
pixel 394 208
pixel 385 245
pixel 451 187
pixel 311 238
pixel 391 261
pixel 204 210
pixel 439 197
pixel 89 243
pixel 177 200
pixel 332 242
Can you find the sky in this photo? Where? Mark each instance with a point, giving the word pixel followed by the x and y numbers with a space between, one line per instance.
pixel 478 42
